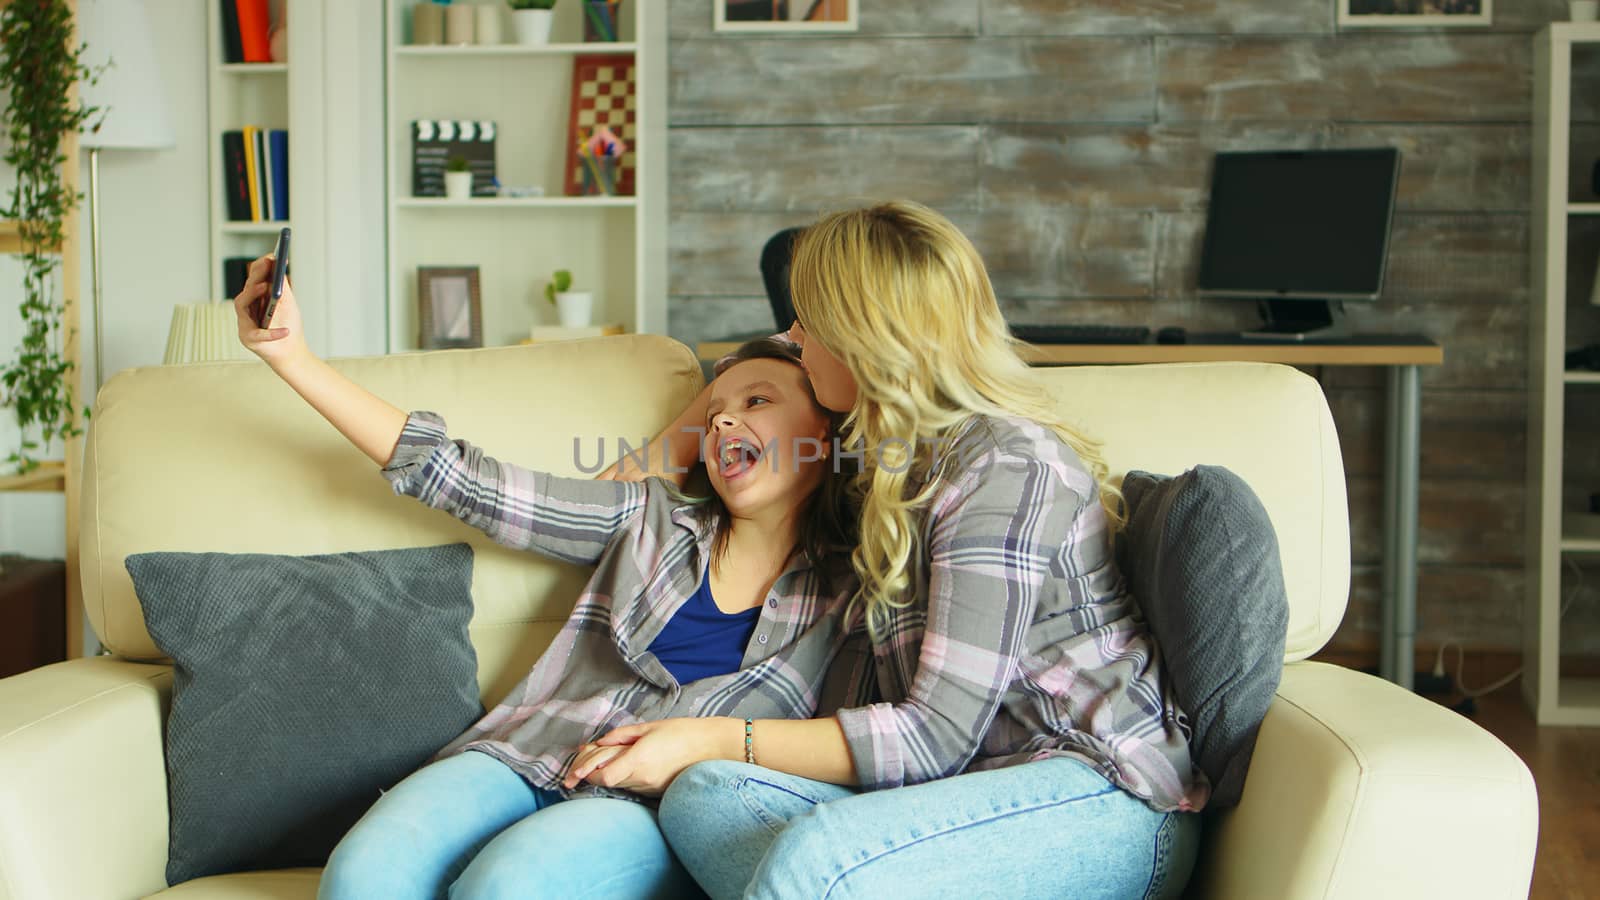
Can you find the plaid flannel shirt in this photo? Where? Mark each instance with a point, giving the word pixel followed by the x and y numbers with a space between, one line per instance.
pixel 1023 642
pixel 649 551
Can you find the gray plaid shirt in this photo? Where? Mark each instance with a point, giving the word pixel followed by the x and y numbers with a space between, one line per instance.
pixel 650 552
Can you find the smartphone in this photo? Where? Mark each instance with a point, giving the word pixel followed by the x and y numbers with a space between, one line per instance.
pixel 280 270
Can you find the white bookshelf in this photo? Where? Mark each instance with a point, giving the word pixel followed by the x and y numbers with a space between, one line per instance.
pixel 614 246
pixel 273 95
pixel 1554 531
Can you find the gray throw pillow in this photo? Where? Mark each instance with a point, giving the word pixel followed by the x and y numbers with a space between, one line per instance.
pixel 1201 559
pixel 303 686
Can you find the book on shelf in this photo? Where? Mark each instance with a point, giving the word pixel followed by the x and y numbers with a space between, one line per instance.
pixel 263 192
pixel 232 48
pixel 269 190
pixel 235 272
pixel 250 171
pixel 278 159
pixel 435 141
pixel 236 183
pixel 255 26
pixel 255 172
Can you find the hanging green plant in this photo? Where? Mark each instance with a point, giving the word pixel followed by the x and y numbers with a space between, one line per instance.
pixel 39 64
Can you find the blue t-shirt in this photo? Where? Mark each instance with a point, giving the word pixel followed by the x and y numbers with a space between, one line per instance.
pixel 701 640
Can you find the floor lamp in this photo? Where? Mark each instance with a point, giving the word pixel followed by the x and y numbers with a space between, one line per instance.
pixel 133 101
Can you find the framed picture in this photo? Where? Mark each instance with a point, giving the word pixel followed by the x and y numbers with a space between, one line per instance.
pixel 784 15
pixel 1413 13
pixel 449 307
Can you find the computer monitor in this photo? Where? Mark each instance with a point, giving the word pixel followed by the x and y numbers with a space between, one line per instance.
pixel 1300 231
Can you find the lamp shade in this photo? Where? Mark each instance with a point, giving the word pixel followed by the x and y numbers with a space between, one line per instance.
pixel 129 90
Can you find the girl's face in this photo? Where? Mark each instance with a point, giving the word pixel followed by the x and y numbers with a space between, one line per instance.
pixel 833 383
pixel 766 441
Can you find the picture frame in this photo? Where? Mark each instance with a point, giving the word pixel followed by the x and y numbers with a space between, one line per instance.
pixel 1414 13
pixel 786 16
pixel 449 307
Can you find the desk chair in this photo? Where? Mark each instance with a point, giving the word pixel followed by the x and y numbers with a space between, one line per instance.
pixel 775 258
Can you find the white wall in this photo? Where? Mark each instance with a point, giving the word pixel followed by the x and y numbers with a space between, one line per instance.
pixel 155 233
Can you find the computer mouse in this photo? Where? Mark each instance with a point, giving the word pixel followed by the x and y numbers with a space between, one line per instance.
pixel 1172 334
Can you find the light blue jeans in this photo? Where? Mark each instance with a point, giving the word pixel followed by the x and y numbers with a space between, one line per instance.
pixel 469 827
pixel 1053 828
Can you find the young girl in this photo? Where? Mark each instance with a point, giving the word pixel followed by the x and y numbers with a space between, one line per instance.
pixel 724 607
pixel 1015 735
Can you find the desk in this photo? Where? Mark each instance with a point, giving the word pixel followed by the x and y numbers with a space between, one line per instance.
pixel 1403 355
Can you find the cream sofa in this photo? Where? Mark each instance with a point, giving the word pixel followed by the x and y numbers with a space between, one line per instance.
pixel 1358 789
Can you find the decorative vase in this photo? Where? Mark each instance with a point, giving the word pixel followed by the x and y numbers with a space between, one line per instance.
pixel 532 25
pixel 427 24
pixel 575 308
pixel 278 43
pixel 458 21
pixel 489 30
pixel 458 185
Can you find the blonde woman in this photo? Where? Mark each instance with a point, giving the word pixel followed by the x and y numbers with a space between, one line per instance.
pixel 1013 734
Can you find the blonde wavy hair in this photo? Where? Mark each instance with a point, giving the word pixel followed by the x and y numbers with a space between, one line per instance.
pixel 902 298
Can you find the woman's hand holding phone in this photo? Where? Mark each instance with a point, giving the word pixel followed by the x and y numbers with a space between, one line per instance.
pixel 283 339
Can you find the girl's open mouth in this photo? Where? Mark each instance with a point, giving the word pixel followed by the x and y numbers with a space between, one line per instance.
pixel 737 457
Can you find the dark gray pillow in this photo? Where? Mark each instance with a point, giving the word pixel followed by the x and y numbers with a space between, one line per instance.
pixel 1201 559
pixel 303 686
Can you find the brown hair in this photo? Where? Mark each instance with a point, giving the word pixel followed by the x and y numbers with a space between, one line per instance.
pixel 827 524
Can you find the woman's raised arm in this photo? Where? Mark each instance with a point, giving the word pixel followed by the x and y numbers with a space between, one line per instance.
pixel 366 420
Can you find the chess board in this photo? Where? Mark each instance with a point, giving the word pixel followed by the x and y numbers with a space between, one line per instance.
pixel 603 93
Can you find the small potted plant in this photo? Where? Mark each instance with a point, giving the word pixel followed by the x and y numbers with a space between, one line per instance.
pixel 458 178
pixel 573 307
pixel 531 20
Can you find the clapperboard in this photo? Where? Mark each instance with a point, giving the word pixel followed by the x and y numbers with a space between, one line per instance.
pixel 434 141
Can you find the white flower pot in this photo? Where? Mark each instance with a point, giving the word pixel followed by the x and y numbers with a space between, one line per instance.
pixel 458 185
pixel 532 25
pixel 575 308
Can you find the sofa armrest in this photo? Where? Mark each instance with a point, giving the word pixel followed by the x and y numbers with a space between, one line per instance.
pixel 1360 789
pixel 83 783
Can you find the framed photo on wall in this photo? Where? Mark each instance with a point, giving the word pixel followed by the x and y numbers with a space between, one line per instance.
pixel 784 15
pixel 1414 13
pixel 449 307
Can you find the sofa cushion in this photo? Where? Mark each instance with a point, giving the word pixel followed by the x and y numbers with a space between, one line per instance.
pixel 1201 558
pixel 303 686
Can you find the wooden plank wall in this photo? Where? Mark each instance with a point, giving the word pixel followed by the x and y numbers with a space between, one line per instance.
pixel 1072 142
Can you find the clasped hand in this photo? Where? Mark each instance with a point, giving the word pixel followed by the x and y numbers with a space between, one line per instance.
pixel 646 757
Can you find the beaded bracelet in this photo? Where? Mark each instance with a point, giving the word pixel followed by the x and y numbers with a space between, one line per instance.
pixel 750 741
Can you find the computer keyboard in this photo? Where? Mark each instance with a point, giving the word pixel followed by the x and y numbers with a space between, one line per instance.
pixel 1081 334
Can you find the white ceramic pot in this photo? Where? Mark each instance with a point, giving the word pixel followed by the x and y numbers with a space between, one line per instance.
pixel 489 31
pixel 532 25
pixel 575 308
pixel 459 24
pixel 458 185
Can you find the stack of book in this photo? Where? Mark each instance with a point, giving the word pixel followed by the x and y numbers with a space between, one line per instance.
pixel 255 167
pixel 204 332
pixel 246 27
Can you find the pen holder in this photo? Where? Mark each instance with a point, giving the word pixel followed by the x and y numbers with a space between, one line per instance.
pixel 600 21
pixel 599 175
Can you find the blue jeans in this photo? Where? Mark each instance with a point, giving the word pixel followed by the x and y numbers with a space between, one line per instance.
pixel 469 827
pixel 1053 828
